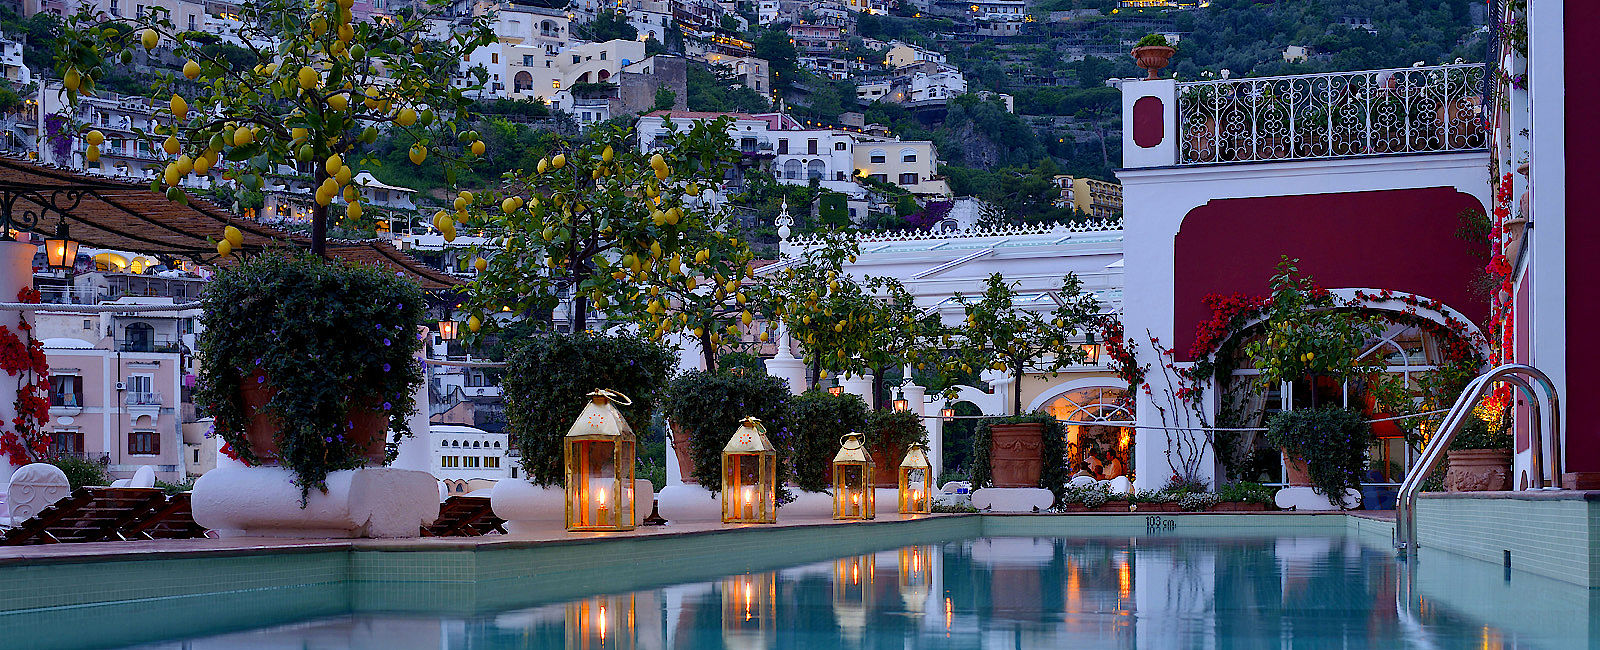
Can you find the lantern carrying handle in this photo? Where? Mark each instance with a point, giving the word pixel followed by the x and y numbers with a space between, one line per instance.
pixel 614 396
pixel 754 422
pixel 860 440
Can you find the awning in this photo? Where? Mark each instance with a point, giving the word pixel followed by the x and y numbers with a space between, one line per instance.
pixel 122 215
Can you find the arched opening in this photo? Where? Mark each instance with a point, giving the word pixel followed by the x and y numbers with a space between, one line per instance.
pixel 791 169
pixel 1416 362
pixel 139 337
pixel 523 82
pixel 817 170
pixel 1103 450
pixel 603 75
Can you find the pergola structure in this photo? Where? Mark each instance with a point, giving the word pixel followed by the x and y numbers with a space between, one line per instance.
pixel 119 215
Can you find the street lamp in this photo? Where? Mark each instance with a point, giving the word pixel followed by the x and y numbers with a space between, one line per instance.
pixel 448 329
pixel 61 251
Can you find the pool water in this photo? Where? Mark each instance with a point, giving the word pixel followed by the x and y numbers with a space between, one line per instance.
pixel 1301 592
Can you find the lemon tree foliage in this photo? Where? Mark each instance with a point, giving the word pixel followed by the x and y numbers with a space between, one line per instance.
pixel 627 233
pixel 858 326
pixel 1310 333
pixel 322 89
pixel 1005 336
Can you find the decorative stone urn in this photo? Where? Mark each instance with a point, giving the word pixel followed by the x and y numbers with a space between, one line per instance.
pixel 1478 470
pixel 1016 454
pixel 1153 58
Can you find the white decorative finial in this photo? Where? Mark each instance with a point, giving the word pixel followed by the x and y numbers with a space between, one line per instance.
pixel 784 220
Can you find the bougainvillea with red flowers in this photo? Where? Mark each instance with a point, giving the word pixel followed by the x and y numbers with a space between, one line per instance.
pixel 23 357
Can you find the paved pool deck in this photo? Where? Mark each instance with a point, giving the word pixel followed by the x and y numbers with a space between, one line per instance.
pixel 554 534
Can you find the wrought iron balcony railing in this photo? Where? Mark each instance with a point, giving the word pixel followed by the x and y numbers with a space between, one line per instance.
pixel 1371 112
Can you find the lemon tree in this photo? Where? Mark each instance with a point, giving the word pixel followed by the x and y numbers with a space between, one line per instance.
pixel 1308 333
pixel 846 325
pixel 322 89
pixel 1001 335
pixel 622 232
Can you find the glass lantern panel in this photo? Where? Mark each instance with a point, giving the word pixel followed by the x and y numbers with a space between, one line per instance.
pixel 596 499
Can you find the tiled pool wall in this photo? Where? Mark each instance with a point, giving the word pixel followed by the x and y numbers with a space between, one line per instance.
pixel 1550 534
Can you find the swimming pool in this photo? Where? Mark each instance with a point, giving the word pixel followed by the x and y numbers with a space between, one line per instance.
pixel 1112 583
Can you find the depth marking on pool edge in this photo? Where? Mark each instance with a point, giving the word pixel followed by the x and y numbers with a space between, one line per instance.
pixel 1159 524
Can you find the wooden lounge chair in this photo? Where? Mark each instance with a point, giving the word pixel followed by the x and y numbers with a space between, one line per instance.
pixel 97 514
pixel 464 516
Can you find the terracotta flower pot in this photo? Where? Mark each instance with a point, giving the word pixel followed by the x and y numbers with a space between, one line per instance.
pixel 1016 454
pixel 1478 470
pixel 1153 58
pixel 369 433
pixel 1295 472
pixel 680 447
pixel 885 465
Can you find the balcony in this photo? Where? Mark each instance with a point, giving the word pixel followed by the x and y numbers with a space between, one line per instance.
pixel 138 398
pixel 1373 112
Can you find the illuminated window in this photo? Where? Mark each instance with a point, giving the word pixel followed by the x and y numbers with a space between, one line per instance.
pixel 555 83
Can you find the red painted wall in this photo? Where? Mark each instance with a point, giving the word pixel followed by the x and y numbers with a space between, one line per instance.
pixel 1582 399
pixel 1402 240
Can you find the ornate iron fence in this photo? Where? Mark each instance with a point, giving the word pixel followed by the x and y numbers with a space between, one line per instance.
pixel 1372 112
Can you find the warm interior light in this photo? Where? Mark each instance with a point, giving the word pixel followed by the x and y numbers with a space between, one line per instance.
pixel 61 252
pixel 448 329
pixel 835 390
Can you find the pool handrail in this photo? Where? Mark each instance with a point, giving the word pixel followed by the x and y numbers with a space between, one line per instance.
pixel 1549 402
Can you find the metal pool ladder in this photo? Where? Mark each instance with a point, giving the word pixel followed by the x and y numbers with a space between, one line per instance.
pixel 1546 409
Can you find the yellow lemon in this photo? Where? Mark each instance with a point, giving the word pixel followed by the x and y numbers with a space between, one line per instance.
pixel 406 117
pixel 191 69
pixel 478 147
pixel 184 164
pixel 242 137
pixel 308 77
pixel 171 145
pixel 339 102
pixel 95 137
pixel 342 177
pixel 353 211
pixel 224 248
pixel 333 164
pixel 608 154
pixel 233 236
pixel 473 324
pixel 92 153
pixel 508 206
pixel 465 194
pixel 480 264
pixel 559 161
pixel 418 154
pixel 180 107
pixel 150 38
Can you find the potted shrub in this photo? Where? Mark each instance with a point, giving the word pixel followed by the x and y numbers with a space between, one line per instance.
pixel 1330 443
pixel 309 362
pixel 706 407
pixel 1020 451
pixel 548 377
pixel 1479 459
pixel 818 419
pixel 1152 53
pixel 889 435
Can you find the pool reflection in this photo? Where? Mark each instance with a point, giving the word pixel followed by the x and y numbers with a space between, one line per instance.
pixel 1125 593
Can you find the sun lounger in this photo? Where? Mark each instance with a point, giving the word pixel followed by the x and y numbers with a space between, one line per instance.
pixel 97 514
pixel 464 516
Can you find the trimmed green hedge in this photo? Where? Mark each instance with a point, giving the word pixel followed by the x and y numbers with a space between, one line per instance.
pixel 549 376
pixel 708 407
pixel 819 420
